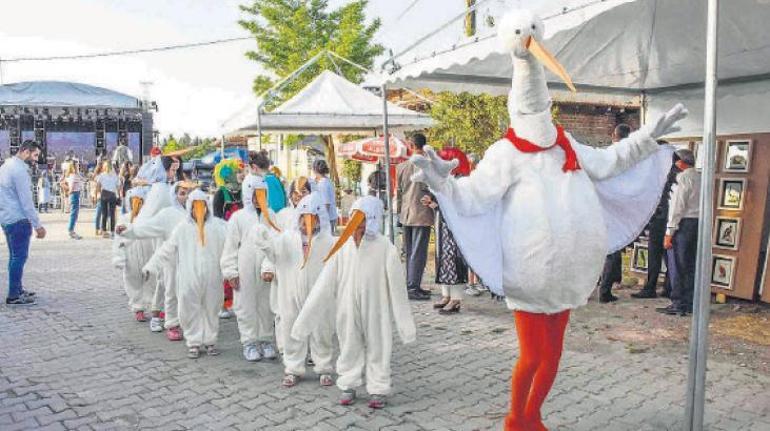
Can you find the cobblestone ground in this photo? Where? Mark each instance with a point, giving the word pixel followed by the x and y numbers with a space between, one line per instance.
pixel 79 361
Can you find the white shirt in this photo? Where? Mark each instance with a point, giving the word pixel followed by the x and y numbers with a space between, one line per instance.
pixel 16 193
pixel 685 199
pixel 325 187
pixel 74 182
pixel 109 182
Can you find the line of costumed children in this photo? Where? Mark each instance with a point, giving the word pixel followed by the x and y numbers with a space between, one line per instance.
pixel 293 282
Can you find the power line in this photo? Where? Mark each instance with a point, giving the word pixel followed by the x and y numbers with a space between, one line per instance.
pixel 126 52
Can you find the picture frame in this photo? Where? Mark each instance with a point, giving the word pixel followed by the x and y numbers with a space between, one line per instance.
pixel 723 271
pixel 737 156
pixel 727 233
pixel 696 146
pixel 732 193
pixel 640 257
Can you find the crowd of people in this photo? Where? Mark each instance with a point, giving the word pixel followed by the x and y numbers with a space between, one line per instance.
pixel 266 252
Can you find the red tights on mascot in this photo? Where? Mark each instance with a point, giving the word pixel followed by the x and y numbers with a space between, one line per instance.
pixel 541 338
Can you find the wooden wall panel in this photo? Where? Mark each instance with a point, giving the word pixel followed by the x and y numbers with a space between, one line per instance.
pixel 752 215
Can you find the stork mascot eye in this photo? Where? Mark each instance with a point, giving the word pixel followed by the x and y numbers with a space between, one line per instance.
pixel 541 211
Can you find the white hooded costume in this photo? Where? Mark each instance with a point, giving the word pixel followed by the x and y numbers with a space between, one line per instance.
pixel 364 287
pixel 533 229
pixel 160 227
pixel 243 260
pixel 294 277
pixel 197 247
pixel 131 255
pixel 159 196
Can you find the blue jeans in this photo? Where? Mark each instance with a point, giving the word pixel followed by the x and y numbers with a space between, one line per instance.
pixel 98 218
pixel 74 210
pixel 17 235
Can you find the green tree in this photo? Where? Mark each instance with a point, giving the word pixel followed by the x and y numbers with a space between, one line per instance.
pixel 472 122
pixel 290 32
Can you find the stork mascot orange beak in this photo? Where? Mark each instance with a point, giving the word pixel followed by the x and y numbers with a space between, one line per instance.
pixel 549 61
pixel 261 197
pixel 356 218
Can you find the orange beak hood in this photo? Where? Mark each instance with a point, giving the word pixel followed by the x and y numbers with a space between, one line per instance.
pixel 367 208
pixel 197 205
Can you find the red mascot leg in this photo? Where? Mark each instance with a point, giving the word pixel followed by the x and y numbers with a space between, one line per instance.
pixel 551 348
pixel 530 329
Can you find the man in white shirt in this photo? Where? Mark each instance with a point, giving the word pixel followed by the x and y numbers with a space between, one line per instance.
pixel 18 217
pixel 682 233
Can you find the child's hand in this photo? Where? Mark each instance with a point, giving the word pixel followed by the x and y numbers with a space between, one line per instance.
pixel 267 277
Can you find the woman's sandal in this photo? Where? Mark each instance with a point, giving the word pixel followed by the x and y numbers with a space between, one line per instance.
pixel 289 380
pixel 450 308
pixel 212 350
pixel 441 304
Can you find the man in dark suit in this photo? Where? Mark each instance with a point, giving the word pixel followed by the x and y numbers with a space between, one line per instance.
pixel 657 228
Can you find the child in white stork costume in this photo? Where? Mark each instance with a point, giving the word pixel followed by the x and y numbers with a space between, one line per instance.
pixel 541 211
pixel 196 245
pixel 242 263
pixel 161 226
pixel 159 176
pixel 364 287
pixel 131 255
pixel 298 254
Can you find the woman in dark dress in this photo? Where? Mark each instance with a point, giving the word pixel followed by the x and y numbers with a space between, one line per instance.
pixel 451 269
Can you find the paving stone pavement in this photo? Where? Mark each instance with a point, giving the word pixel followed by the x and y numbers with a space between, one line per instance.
pixel 78 361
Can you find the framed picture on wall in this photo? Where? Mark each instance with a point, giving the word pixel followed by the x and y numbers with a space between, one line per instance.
pixel 696 146
pixel 727 232
pixel 731 191
pixel 723 271
pixel 737 156
pixel 640 257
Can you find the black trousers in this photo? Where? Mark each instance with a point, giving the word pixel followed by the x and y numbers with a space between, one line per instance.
pixel 612 273
pixel 685 254
pixel 416 239
pixel 109 200
pixel 656 252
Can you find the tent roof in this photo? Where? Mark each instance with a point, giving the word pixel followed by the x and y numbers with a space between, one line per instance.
pixel 618 45
pixel 329 104
pixel 57 93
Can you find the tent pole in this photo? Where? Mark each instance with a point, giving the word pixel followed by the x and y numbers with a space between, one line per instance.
pixel 222 148
pixel 696 376
pixel 259 128
pixel 386 138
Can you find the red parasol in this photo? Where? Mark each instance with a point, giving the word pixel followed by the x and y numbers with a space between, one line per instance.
pixel 372 150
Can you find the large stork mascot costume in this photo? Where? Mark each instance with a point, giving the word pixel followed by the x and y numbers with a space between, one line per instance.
pixel 540 212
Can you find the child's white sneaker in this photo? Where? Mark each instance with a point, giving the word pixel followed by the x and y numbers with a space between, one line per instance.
pixel 156 324
pixel 225 314
pixel 268 351
pixel 251 353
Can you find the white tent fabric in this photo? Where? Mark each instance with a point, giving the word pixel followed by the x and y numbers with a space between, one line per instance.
pixel 63 94
pixel 621 44
pixel 330 104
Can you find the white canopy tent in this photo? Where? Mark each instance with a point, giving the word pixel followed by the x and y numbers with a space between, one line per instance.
pixel 663 50
pixel 329 104
pixel 652 47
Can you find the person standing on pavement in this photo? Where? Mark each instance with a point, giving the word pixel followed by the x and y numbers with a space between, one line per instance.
pixel 73 183
pixel 657 229
pixel 613 265
pixel 682 233
pixel 417 220
pixel 323 185
pixel 18 218
pixel 43 192
pixel 107 184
